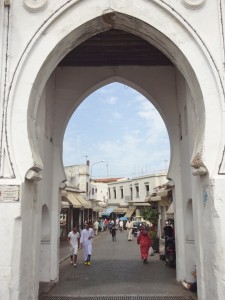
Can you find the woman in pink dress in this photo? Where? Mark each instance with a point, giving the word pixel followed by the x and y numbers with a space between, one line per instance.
pixel 144 241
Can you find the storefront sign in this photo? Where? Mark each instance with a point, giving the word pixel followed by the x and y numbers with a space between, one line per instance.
pixel 9 193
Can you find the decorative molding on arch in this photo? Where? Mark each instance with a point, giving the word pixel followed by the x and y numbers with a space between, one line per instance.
pixel 6 168
pixel 34 173
pixel 200 171
pixel 198 165
pixel 222 164
pixel 193 4
pixel 34 5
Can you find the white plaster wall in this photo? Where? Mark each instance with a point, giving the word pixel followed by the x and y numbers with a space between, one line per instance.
pixel 10 230
pixel 102 191
pixel 79 175
pixel 185 180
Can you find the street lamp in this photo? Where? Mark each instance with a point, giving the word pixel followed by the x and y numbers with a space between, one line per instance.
pixel 98 162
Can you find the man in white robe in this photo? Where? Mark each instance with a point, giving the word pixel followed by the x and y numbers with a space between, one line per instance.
pixel 87 236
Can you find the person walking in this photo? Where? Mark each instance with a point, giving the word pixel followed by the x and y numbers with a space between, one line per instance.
pixel 121 225
pixel 144 240
pixel 113 232
pixel 129 226
pixel 73 239
pixel 86 239
pixel 96 226
pixel 117 223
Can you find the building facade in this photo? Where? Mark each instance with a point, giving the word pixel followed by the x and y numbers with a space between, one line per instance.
pixel 44 78
pixel 134 191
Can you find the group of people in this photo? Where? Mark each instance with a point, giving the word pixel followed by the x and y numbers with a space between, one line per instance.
pixel 83 240
pixel 107 224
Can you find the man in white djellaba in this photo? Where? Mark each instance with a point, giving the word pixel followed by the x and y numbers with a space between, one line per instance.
pixel 86 239
pixel 74 242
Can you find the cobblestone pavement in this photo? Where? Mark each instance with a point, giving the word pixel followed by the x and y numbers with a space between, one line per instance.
pixel 116 269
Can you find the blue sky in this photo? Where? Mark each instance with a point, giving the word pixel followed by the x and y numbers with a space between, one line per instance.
pixel 119 125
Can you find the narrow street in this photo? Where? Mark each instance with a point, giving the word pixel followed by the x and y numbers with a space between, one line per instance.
pixel 117 270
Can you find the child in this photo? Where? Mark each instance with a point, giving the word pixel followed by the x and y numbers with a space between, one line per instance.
pixel 113 232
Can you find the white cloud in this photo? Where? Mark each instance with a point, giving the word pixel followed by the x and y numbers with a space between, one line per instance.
pixel 110 100
pixel 117 115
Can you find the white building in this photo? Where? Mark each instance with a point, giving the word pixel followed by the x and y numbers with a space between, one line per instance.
pixel 79 176
pixel 44 76
pixel 134 190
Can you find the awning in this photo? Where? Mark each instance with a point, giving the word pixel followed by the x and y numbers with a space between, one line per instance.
pixel 73 200
pixel 155 198
pixel 121 210
pixel 64 204
pixel 130 212
pixel 84 202
pixel 103 204
pixel 170 209
pixel 141 204
pixel 163 192
pixel 107 212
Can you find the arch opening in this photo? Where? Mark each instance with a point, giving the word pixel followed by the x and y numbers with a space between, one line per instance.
pixel 68 86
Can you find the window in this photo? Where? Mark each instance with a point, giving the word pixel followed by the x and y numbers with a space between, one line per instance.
pixel 109 193
pixel 147 189
pixel 87 187
pixel 131 193
pixel 121 192
pixel 137 191
pixel 114 193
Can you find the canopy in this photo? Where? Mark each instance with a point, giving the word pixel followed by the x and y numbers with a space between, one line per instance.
pixel 155 198
pixel 120 210
pixel 107 212
pixel 170 209
pixel 77 200
pixel 130 212
pixel 164 192
pixel 84 202
pixel 123 219
pixel 64 204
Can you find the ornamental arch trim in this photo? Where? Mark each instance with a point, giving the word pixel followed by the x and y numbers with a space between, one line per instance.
pixel 152 28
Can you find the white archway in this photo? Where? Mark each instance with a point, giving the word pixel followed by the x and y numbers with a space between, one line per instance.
pixel 28 91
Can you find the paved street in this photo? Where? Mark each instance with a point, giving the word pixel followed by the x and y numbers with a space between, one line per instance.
pixel 117 270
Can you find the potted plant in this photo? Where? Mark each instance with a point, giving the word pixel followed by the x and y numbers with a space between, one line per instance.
pixel 151 214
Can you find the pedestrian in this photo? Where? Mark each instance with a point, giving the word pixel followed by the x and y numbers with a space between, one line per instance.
pixel 121 225
pixel 168 234
pixel 168 230
pixel 106 224
pixel 117 223
pixel 74 242
pixel 87 236
pixel 129 226
pixel 101 225
pixel 110 225
pixel 113 232
pixel 144 240
pixel 96 225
